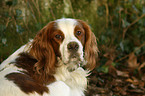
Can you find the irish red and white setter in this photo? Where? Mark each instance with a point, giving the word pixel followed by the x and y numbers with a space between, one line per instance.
pixel 55 63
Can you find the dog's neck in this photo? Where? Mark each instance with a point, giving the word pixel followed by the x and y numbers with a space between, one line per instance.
pixel 74 79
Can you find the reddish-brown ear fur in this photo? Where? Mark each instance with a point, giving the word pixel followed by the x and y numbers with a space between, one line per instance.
pixel 42 50
pixel 91 49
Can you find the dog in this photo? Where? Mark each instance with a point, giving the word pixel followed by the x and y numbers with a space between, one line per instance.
pixel 55 63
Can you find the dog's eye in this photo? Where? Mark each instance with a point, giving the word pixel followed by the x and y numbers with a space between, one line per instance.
pixel 58 36
pixel 78 33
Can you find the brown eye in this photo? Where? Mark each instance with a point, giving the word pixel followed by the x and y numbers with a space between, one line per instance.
pixel 58 36
pixel 78 33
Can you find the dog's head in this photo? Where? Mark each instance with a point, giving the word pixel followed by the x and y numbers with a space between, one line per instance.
pixel 71 40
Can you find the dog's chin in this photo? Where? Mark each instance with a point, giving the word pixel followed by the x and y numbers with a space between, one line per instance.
pixel 73 64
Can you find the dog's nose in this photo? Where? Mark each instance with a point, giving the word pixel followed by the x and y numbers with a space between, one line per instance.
pixel 73 46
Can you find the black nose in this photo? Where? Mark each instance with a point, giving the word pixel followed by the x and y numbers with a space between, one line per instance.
pixel 73 46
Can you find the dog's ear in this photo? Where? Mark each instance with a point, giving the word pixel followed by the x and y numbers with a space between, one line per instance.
pixel 91 49
pixel 42 50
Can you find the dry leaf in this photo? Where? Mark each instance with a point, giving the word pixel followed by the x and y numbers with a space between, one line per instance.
pixel 132 61
pixel 129 80
pixel 123 74
pixel 141 66
pixel 135 82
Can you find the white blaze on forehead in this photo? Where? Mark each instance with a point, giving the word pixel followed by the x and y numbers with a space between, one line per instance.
pixel 67 26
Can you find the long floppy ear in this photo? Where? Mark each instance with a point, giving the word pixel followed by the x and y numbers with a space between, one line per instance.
pixel 42 50
pixel 91 49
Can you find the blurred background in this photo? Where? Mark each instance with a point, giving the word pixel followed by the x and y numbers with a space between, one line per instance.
pixel 119 26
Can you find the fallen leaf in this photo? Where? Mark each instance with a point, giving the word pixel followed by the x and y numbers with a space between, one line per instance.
pixel 129 80
pixel 132 61
pixel 135 82
pixel 123 74
pixel 141 66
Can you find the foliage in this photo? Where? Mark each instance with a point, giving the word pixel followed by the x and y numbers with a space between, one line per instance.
pixel 124 32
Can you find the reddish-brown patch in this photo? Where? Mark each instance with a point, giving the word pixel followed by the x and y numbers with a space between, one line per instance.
pixel 27 83
pixel 43 51
pixel 57 41
pixel 81 36
pixel 27 62
pixel 91 49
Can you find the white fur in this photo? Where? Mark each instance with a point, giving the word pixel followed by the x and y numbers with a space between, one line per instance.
pixel 66 84
pixel 76 80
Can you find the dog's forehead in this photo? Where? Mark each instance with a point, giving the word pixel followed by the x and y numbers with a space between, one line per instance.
pixel 67 26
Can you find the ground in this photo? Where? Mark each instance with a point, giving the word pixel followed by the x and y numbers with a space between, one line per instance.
pixel 119 83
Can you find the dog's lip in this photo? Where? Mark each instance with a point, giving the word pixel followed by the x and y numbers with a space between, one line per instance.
pixel 74 61
pixel 74 56
pixel 71 69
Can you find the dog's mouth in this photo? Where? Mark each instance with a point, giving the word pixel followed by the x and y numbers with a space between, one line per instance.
pixel 72 67
pixel 74 62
